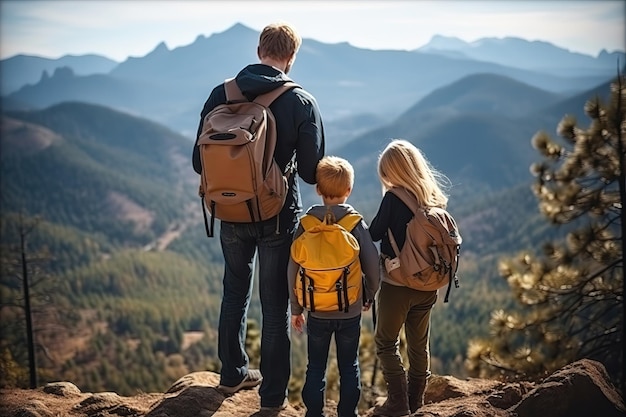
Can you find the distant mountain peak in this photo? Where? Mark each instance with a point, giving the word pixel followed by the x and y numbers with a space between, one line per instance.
pixel 510 41
pixel 236 31
pixel 438 38
pixel 161 47
pixel 63 73
pixel 238 28
pixel 445 42
pixel 451 43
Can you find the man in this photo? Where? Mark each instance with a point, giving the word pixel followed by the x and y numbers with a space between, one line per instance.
pixel 300 132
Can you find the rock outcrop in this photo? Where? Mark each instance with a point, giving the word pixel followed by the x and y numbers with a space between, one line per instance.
pixel 580 389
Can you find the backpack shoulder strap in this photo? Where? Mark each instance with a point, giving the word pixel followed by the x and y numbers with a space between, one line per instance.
pixel 406 197
pixel 269 97
pixel 308 221
pixel 233 92
pixel 350 221
pixel 411 202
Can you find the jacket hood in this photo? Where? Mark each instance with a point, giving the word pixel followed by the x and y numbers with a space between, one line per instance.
pixel 258 79
pixel 338 210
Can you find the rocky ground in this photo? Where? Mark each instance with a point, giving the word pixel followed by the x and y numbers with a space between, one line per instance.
pixel 580 389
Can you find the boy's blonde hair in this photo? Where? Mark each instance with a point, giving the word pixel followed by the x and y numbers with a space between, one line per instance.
pixel 279 41
pixel 334 176
pixel 402 164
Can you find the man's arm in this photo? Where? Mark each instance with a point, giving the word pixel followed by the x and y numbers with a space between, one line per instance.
pixel 292 275
pixel 310 146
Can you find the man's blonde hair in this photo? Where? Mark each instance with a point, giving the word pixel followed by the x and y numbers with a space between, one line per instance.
pixel 334 176
pixel 279 41
pixel 402 164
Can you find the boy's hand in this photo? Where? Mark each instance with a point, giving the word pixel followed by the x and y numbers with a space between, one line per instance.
pixel 297 321
pixel 367 304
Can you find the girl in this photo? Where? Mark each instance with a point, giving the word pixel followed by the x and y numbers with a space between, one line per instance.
pixel 401 164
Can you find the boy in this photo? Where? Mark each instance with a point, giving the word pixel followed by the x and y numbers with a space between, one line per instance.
pixel 335 178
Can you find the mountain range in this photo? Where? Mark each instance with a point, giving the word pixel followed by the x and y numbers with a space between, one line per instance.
pixel 521 53
pixel 21 70
pixel 170 86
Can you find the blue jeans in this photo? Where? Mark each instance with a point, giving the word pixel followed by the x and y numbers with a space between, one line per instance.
pixel 239 243
pixel 347 333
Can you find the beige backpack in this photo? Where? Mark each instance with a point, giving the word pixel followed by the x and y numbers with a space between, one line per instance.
pixel 240 180
pixel 429 257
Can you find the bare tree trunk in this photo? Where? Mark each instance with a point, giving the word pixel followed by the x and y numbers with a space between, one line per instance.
pixel 32 365
pixel 621 148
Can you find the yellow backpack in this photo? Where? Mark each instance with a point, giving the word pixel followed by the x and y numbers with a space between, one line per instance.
pixel 329 277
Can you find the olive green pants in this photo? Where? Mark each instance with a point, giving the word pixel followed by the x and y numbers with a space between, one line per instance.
pixel 397 307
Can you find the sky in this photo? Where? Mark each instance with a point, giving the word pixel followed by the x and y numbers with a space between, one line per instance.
pixel 118 29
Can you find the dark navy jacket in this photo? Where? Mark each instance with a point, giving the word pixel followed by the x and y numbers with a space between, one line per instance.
pixel 299 129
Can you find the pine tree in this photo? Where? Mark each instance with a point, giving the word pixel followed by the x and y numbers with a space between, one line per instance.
pixel 571 292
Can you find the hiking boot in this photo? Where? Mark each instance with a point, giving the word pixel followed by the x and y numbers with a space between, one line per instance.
pixel 276 408
pixel 416 390
pixel 252 379
pixel 397 402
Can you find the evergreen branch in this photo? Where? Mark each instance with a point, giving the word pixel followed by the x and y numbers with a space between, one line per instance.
pixel 497 363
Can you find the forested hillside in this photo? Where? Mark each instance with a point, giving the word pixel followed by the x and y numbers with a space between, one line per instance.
pixel 103 194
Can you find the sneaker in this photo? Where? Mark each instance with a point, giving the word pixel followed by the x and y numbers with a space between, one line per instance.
pixel 252 379
pixel 277 408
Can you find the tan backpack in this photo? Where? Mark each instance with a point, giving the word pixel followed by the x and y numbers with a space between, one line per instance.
pixel 429 257
pixel 240 180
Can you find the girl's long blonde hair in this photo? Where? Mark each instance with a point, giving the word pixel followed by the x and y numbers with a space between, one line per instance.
pixel 402 164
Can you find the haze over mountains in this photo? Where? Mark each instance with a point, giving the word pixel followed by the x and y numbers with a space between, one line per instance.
pixel 170 86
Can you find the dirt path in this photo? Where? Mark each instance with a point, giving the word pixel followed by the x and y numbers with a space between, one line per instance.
pixel 176 229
